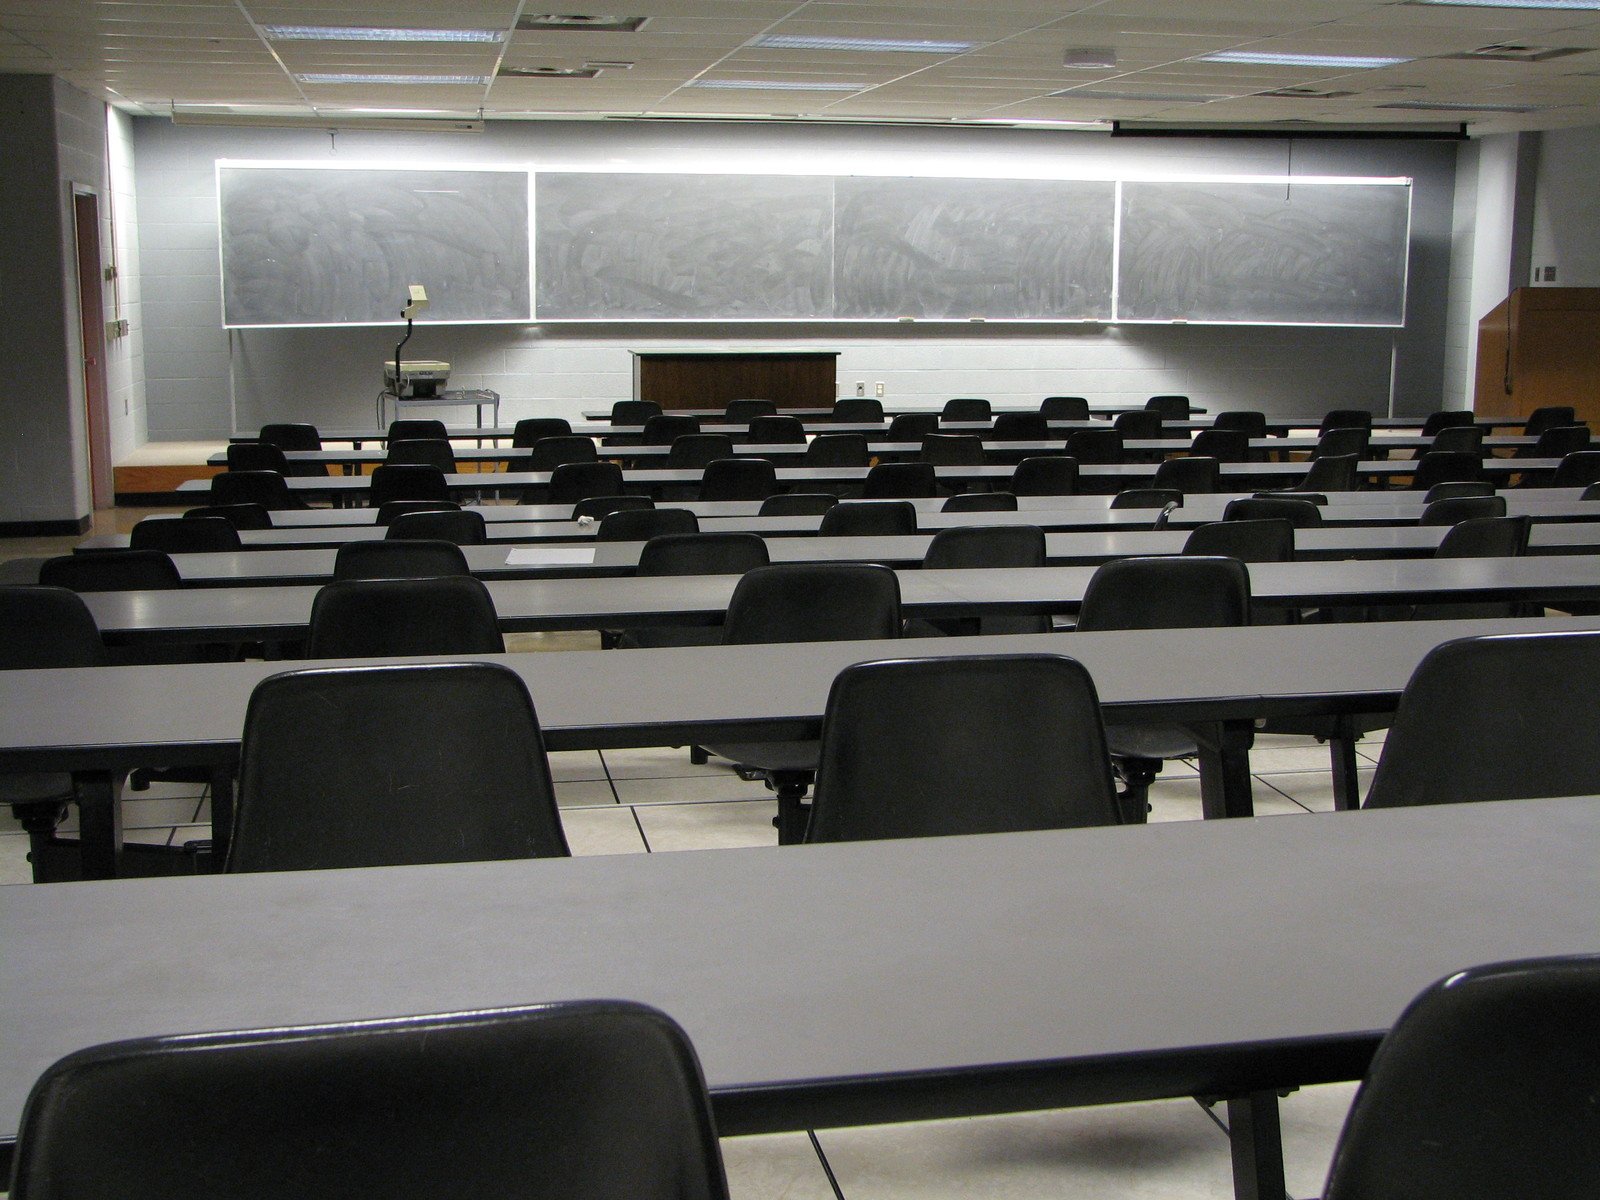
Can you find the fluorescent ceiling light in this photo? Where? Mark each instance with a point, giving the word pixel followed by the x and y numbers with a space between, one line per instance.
pixel 1449 106
pixel 775 85
pixel 795 41
pixel 1271 59
pixel 374 33
pixel 423 80
pixel 1578 4
pixel 1141 97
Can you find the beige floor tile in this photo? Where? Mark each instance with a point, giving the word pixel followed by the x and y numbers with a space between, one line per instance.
pixel 691 789
pixel 585 793
pixel 14 866
pixel 141 813
pixel 709 826
pixel 659 762
pixel 1311 1119
pixel 530 643
pixel 1314 789
pixel 568 765
pixel 1177 798
pixel 1164 1151
pixel 602 831
pixel 780 1166
pixel 1273 753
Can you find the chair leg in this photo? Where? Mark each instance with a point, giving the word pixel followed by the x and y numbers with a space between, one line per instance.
pixel 793 815
pixel 1342 751
pixel 698 756
pixel 1137 774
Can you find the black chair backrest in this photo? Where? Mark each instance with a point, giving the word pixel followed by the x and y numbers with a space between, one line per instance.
pixel 291 435
pixel 459 525
pixel 1581 468
pixel 1045 475
pixel 46 627
pixel 1269 540
pixel 369 618
pixel 870 518
pixel 1020 427
pixel 548 453
pixel 406 481
pixel 1446 466
pixel 402 765
pixel 1343 440
pixel 858 410
pixel 391 509
pixel 1224 445
pixel 838 450
pixel 1449 491
pixel 1249 422
pixel 111 571
pixel 1548 417
pixel 777 431
pixel 1345 418
pixel 1169 408
pixel 1094 446
pixel 240 516
pixel 1557 442
pixel 738 479
pixel 266 488
pixel 981 502
pixel 1146 497
pixel 1172 592
pixel 408 429
pixel 527 432
pixel 665 428
pixel 256 456
pixel 1331 473
pixel 634 412
pixel 952 450
pixel 901 481
pixel 966 408
pixel 798 504
pixel 1302 514
pixel 912 427
pixel 573 481
pixel 692 451
pixel 431 452
pixel 962 745
pixel 534 1101
pixel 1197 475
pixel 1495 718
pixel 702 554
pixel 1144 424
pixel 1447 418
pixel 1486 537
pixel 985 546
pixel 1468 438
pixel 1064 408
pixel 1455 509
pixel 813 602
pixel 407 559
pixel 1484 1087
pixel 184 535
pixel 598 508
pixel 742 412
pixel 642 524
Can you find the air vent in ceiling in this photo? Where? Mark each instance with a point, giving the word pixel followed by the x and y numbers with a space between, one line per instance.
pixel 1304 93
pixel 1089 59
pixel 1510 52
pixel 582 21
pixel 548 72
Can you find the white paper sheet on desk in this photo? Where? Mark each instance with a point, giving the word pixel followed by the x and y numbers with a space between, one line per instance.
pixel 549 556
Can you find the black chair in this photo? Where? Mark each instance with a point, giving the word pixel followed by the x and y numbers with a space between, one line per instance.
pixel 368 618
pixel 1249 422
pixel 858 410
pixel 777 431
pixel 1267 540
pixel 1094 446
pixel 742 412
pixel 1455 509
pixel 1448 418
pixel 1592 492
pixel 838 450
pixel 1144 425
pixel 1174 592
pixel 693 451
pixel 291 435
pixel 1331 473
pixel 1486 537
pixel 406 481
pixel 1193 476
pixel 412 558
pixel 738 479
pixel 1147 497
pixel 1224 445
pixel 665 428
pixel 429 452
pixel 533 1101
pixel 1045 475
pixel 912 427
pixel 266 488
pixel 1581 468
pixel 1448 491
pixel 1169 408
pixel 527 432
pixel 257 456
pixel 980 502
pixel 1484 1087
pixel 1446 466
pixel 406 430
pixel 184 535
pixel 1345 418
pixel 634 412
pixel 869 518
pixel 952 450
pixel 692 553
pixel 1064 408
pixel 900 481
pixel 1558 441
pixel 111 571
pixel 598 508
pixel 797 504
pixel 571 482
pixel 1467 438
pixel 1021 427
pixel 1548 417
pixel 240 516
pixel 548 453
pixel 971 547
pixel 967 408
pixel 402 765
pixel 804 602
pixel 1510 717
pixel 391 509
pixel 1302 514
pixel 461 526
pixel 944 746
pixel 1342 441
pixel 642 524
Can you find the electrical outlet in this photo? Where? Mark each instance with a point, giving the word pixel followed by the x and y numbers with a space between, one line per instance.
pixel 880 389
pixel 1544 274
pixel 116 329
pixel 861 387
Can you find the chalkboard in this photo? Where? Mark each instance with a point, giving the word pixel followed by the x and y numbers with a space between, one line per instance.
pixel 318 246
pixel 1264 252
pixel 643 247
pixel 960 248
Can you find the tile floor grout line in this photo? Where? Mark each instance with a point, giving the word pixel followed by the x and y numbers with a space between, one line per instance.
pixel 611 783
pixel 1284 794
pixel 827 1167
pixel 633 811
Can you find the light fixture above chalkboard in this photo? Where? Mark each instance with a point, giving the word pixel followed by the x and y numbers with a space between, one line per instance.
pixel 609 24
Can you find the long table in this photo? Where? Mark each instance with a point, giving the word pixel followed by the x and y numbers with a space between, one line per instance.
pixel 868 982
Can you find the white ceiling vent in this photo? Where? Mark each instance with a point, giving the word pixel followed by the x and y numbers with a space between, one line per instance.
pixel 583 21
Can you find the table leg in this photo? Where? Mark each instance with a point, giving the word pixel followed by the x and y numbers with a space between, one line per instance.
pixel 99 822
pixel 1225 768
pixel 221 814
pixel 1257 1147
pixel 1342 749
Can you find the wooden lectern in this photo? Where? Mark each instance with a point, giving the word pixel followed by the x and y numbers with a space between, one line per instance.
pixel 1540 346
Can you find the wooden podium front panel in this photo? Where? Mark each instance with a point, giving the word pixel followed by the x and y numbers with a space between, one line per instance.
pixel 1541 347
pixel 802 379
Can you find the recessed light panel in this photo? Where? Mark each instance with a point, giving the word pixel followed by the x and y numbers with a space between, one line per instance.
pixel 1268 58
pixel 795 41
pixel 1576 4
pixel 399 80
pixel 373 33
pixel 593 21
pixel 773 85
pixel 1139 97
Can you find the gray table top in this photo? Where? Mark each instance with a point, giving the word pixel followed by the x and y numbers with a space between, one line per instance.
pixel 812 976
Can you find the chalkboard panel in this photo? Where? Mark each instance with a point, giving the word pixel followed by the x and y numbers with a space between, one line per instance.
pixel 642 247
pixel 959 248
pixel 316 246
pixel 1313 253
